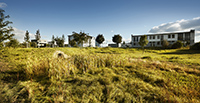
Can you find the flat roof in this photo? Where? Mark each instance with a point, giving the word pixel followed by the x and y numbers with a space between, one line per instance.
pixel 164 33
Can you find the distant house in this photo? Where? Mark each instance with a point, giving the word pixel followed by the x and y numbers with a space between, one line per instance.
pixel 90 43
pixel 40 43
pixel 52 45
pixel 114 45
pixel 155 40
pixel 126 45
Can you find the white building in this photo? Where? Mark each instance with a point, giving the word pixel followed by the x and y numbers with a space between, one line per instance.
pixel 155 40
pixel 90 43
pixel 40 43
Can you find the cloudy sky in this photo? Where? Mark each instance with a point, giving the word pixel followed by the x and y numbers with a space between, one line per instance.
pixel 107 17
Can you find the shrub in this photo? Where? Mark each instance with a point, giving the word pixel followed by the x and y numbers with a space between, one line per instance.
pixel 196 46
pixel 165 44
pixel 13 43
pixel 177 45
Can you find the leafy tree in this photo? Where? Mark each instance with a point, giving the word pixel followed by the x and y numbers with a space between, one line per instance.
pixel 33 44
pixel 124 42
pixel 60 41
pixel 143 41
pixel 117 39
pixel 26 38
pixel 80 38
pixel 165 44
pixel 73 43
pixel 5 29
pixel 63 40
pixel 177 45
pixel 37 36
pixel 195 46
pixel 13 43
pixel 100 39
pixel 53 41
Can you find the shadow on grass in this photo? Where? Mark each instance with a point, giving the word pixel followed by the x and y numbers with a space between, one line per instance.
pixel 13 76
pixel 183 52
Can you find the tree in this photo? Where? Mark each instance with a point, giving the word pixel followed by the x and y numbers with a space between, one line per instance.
pixel 143 41
pixel 100 39
pixel 73 43
pixel 63 40
pixel 5 29
pixel 117 39
pixel 33 44
pixel 60 41
pixel 53 41
pixel 26 38
pixel 165 44
pixel 13 43
pixel 80 38
pixel 37 35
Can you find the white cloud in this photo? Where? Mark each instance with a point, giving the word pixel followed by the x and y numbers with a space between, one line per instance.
pixel 19 34
pixel 179 25
pixel 2 5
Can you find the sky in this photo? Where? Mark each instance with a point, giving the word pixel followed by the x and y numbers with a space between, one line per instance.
pixel 107 17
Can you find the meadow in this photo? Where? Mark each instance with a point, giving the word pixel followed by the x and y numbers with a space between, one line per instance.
pixel 93 75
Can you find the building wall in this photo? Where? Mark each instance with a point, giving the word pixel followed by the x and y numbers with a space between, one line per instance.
pixel 155 40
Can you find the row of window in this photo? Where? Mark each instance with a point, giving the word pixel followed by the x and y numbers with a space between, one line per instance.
pixel 154 37
pixel 155 43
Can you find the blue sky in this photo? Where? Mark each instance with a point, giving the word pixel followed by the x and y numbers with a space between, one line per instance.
pixel 107 17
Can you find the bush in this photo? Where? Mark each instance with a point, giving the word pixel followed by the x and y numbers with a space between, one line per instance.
pixel 177 45
pixel 196 46
pixel 13 43
pixel 165 44
pixel 33 44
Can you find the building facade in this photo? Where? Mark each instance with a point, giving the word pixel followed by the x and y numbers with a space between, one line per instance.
pixel 155 40
pixel 40 43
pixel 90 43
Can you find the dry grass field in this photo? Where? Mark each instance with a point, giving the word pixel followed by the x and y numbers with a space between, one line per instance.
pixel 92 75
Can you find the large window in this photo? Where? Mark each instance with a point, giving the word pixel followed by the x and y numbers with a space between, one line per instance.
pixel 158 43
pixel 187 36
pixel 154 37
pixel 180 36
pixel 158 36
pixel 173 36
pixel 169 36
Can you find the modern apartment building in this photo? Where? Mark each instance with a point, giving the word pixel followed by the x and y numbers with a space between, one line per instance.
pixel 155 40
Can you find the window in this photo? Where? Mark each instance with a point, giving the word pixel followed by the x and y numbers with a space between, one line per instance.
pixel 158 37
pixel 154 37
pixel 187 36
pixel 173 36
pixel 169 36
pixel 134 43
pixel 180 36
pixel 149 37
pixel 136 38
pixel 158 43
pixel 153 44
pixel 150 43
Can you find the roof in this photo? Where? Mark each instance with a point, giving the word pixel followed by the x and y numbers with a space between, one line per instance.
pixel 166 33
